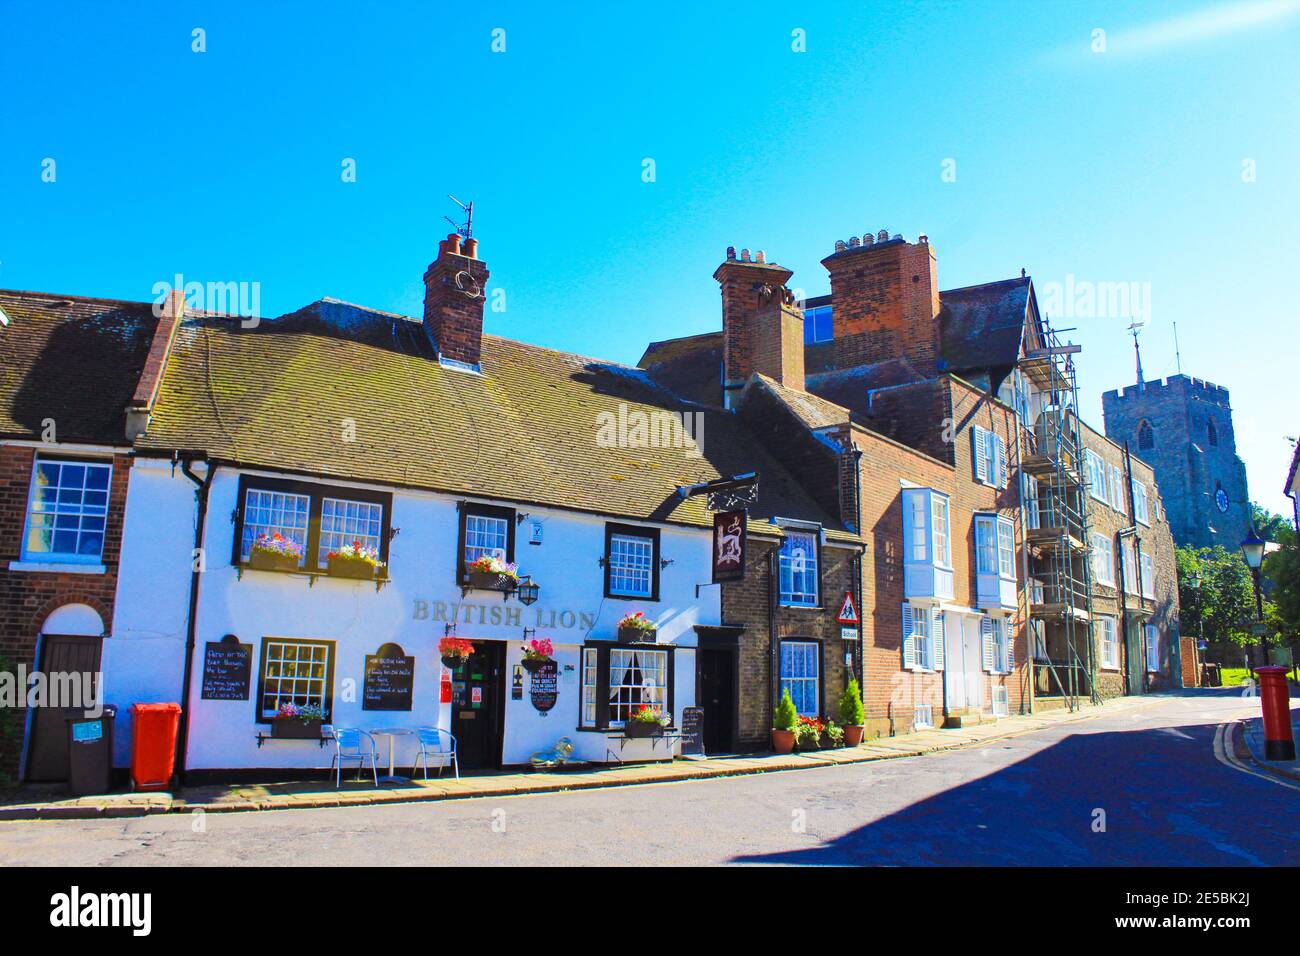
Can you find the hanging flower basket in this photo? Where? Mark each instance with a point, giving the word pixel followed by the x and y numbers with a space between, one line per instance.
pixel 537 654
pixel 274 552
pixel 455 651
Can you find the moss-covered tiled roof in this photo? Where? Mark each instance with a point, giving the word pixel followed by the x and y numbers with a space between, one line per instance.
pixel 72 361
pixel 342 391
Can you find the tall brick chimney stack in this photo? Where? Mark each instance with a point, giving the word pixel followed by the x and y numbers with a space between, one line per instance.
pixel 762 330
pixel 453 300
pixel 885 295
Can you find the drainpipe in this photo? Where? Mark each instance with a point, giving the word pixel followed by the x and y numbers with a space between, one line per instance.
pixel 774 645
pixel 203 485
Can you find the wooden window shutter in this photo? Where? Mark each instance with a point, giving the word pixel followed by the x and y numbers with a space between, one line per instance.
pixel 909 650
pixel 977 444
pixel 986 635
pixel 1011 647
pixel 936 635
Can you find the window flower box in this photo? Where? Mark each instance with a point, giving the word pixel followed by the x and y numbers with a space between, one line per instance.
pixel 490 573
pixel 274 552
pixel 354 561
pixel 636 629
pixel 297 723
pixel 646 721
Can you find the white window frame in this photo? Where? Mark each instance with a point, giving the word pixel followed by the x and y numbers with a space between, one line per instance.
pixel 311 688
pixel 1147 566
pixel 590 678
pixel 1001 646
pixel 1109 641
pixel 481 536
pixel 1128 565
pixel 802 657
pixel 918 524
pixel 986 544
pixel 1140 510
pixel 1029 495
pixel 1152 642
pixel 922 639
pixel 359 521
pixel 289 507
pixel 1115 479
pixel 1095 468
pixel 68 516
pixel 941 529
pixel 631 565
pixel 989 451
pixel 797 566
pixel 638 695
pixel 1103 560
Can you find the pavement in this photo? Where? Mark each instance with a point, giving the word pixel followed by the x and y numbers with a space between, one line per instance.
pixel 1155 782
pixel 30 804
pixel 1248 736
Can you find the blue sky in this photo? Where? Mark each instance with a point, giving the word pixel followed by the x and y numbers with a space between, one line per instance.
pixel 1168 160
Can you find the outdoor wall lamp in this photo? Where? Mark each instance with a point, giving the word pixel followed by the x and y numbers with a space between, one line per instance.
pixel 527 590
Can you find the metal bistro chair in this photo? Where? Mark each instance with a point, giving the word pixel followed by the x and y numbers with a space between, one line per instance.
pixel 432 746
pixel 351 743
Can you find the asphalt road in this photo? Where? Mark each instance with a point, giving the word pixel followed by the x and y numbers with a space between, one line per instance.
pixel 1138 788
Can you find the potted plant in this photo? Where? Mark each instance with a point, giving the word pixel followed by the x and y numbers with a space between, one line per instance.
pixel 833 734
pixel 636 629
pixel 646 721
pixel 354 561
pixel 274 552
pixel 454 651
pixel 537 653
pixel 783 724
pixel 297 723
pixel 852 713
pixel 808 733
pixel 492 573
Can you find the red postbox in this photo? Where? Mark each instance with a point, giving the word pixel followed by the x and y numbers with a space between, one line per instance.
pixel 1274 696
pixel 153 745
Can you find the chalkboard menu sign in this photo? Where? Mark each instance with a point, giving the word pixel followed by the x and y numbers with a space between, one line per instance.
pixel 390 680
pixel 227 669
pixel 545 688
pixel 693 731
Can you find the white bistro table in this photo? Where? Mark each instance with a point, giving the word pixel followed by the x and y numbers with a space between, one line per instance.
pixel 391 733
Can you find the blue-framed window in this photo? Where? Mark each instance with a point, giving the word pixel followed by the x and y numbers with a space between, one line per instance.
pixel 817 325
pixel 801 675
pixel 798 565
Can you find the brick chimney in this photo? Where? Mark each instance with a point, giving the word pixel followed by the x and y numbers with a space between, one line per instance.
pixel 454 287
pixel 762 331
pixel 885 301
pixel 140 409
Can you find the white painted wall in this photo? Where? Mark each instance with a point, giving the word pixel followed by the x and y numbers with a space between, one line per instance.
pixel 145 654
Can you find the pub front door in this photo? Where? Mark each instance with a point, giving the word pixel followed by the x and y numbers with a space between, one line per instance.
pixel 478 706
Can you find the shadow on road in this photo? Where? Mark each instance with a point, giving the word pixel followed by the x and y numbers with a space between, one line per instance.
pixel 1141 797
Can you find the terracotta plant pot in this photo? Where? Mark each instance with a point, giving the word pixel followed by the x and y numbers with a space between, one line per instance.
pixel 291 728
pixel 351 568
pixel 637 728
pixel 637 635
pixel 783 741
pixel 853 734
pixel 269 561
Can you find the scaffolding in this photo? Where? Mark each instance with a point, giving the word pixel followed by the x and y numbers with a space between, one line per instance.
pixel 1055 518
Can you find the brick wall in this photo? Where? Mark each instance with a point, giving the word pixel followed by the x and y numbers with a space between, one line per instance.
pixel 455 319
pixel 746 603
pixel 27 598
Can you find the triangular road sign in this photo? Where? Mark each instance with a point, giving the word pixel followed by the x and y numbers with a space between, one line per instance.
pixel 848 610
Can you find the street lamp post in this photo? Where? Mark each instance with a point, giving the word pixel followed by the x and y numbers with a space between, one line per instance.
pixel 1252 548
pixel 1195 582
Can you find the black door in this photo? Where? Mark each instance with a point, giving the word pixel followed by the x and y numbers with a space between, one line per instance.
pixel 717 672
pixel 477 702
pixel 47 758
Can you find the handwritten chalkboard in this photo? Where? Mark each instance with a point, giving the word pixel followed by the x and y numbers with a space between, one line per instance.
pixel 693 731
pixel 390 680
pixel 227 669
pixel 545 687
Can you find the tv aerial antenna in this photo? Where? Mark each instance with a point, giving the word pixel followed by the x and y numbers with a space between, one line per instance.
pixel 466 228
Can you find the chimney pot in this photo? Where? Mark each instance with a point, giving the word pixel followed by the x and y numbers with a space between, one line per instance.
pixel 923 239
pixel 760 256
pixel 853 242
pixel 731 253
pixel 882 236
pixel 453 243
pixel 471 248
pixel 744 255
pixel 868 239
pixel 840 245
